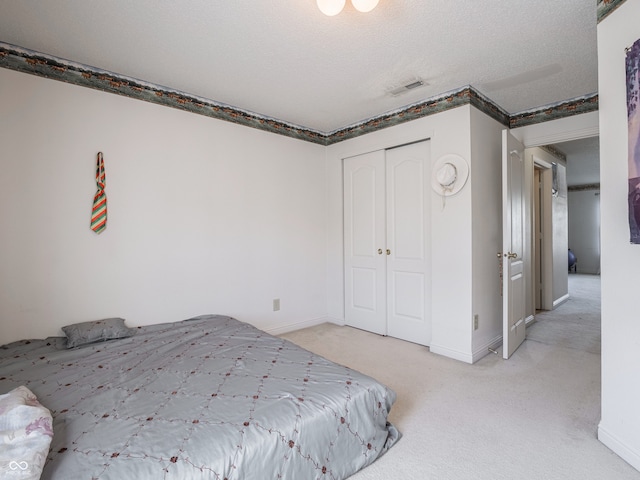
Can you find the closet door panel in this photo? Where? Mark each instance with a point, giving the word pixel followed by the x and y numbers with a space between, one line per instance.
pixel 364 246
pixel 406 208
pixel 409 296
pixel 363 287
pixel 408 235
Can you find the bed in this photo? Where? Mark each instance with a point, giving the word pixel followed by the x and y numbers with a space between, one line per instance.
pixel 205 398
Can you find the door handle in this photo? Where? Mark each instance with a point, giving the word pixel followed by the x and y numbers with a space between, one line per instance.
pixel 511 255
pixel 379 251
pixel 388 252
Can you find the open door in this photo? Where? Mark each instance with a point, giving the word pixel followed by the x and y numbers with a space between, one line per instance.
pixel 513 218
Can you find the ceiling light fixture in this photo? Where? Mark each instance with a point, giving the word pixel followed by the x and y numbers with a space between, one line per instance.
pixel 334 7
pixel 364 6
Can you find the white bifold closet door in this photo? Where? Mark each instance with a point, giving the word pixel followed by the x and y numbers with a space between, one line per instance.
pixel 387 242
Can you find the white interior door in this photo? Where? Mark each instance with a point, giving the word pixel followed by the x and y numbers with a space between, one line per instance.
pixel 364 242
pixel 513 217
pixel 408 243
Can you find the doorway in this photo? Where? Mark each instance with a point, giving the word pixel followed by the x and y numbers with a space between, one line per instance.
pixel 542 236
pixel 580 179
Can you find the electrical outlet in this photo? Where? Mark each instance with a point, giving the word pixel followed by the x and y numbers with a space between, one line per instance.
pixel 476 319
pixel 276 304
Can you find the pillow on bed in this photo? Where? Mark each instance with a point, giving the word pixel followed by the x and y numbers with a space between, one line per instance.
pixel 25 434
pixel 96 331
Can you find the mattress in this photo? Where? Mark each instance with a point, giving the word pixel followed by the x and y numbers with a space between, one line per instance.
pixel 204 398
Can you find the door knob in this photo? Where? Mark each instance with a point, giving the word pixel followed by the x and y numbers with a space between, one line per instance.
pixel 379 251
pixel 388 252
pixel 511 255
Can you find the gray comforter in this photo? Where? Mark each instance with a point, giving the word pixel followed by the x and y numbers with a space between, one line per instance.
pixel 209 397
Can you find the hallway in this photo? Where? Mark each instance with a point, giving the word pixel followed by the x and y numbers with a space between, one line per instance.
pixel 574 324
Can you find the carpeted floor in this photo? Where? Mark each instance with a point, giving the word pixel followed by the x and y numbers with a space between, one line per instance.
pixel 576 323
pixel 534 416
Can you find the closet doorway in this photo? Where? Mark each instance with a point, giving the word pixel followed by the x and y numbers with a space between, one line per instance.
pixel 387 248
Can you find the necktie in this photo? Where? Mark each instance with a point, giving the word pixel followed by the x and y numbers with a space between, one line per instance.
pixel 99 211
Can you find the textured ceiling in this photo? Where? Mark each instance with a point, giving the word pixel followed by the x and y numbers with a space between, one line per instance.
pixel 284 59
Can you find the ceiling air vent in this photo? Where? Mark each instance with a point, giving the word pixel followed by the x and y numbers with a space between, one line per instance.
pixel 412 85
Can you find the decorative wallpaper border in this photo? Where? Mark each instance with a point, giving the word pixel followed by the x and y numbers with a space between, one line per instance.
pixel 584 188
pixel 551 150
pixel 35 63
pixel 463 96
pixel 555 111
pixel 605 7
pixel 28 61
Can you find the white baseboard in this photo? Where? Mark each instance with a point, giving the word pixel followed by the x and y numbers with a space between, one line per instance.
pixel 448 352
pixel 298 325
pixel 619 447
pixel 560 301
pixel 335 321
pixel 477 354
pixel 483 350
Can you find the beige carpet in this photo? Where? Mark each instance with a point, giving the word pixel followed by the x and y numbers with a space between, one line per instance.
pixel 534 416
pixel 576 323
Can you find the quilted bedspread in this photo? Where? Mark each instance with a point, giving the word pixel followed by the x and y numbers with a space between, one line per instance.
pixel 205 398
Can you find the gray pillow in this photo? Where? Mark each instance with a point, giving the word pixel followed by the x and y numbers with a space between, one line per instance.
pixel 96 331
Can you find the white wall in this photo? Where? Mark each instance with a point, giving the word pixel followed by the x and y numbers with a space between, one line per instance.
pixel 486 204
pixel 620 424
pixel 204 216
pixel 584 229
pixel 451 239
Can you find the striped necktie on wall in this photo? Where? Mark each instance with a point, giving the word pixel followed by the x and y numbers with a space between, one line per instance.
pixel 99 211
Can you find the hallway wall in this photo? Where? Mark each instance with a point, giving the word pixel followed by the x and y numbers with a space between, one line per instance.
pixel 619 427
pixel 584 229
